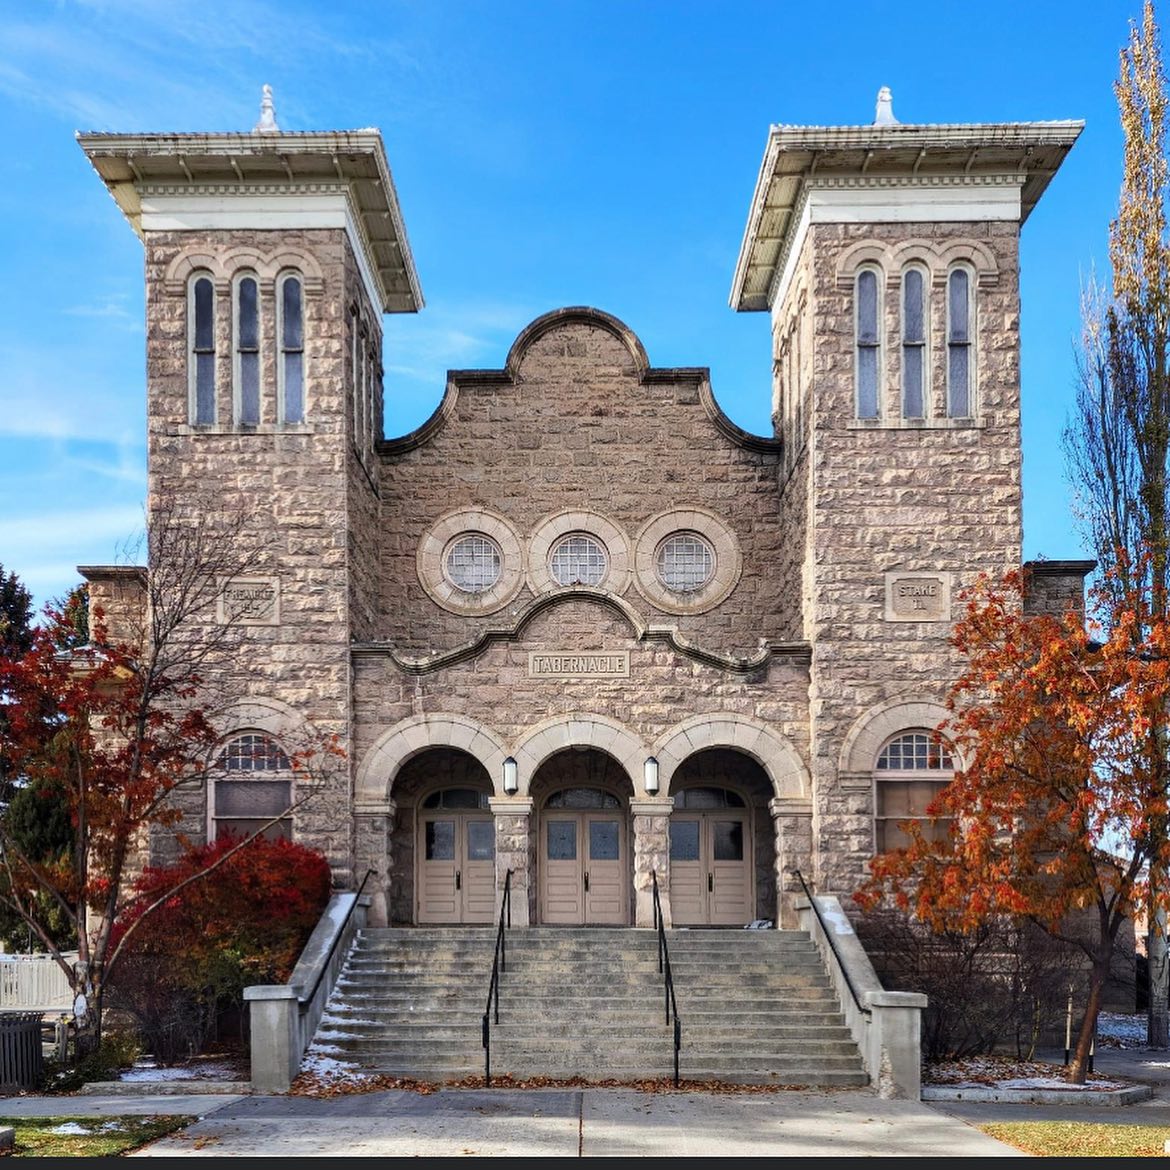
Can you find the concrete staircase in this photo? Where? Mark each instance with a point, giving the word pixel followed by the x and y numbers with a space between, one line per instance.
pixel 756 1006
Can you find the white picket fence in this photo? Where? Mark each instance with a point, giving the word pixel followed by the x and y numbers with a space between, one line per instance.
pixel 34 983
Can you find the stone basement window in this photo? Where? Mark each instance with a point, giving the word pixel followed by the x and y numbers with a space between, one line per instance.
pixel 912 768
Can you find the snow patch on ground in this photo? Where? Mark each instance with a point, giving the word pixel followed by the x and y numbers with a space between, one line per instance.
pixel 1118 1030
pixel 75 1127
pixel 1006 1073
pixel 202 1070
pixel 324 1072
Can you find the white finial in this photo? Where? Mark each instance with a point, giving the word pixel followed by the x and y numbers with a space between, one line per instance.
pixel 267 123
pixel 885 108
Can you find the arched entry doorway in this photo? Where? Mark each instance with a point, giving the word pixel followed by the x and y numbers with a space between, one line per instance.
pixel 446 837
pixel 722 845
pixel 584 849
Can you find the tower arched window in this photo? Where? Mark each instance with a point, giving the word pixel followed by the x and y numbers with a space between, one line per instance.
pixel 912 768
pixel 246 367
pixel 960 331
pixel 201 351
pixel 291 364
pixel 867 290
pixel 914 388
pixel 251 785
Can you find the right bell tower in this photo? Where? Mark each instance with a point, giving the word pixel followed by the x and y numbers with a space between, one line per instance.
pixel 888 257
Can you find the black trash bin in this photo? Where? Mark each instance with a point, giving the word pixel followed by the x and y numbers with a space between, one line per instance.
pixel 22 1056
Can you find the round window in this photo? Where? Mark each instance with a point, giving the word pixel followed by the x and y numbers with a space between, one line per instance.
pixel 578 559
pixel 685 562
pixel 473 563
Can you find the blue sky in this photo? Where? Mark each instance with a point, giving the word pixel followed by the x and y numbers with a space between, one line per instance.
pixel 555 153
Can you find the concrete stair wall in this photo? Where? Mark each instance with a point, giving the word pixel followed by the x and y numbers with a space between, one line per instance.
pixel 755 1006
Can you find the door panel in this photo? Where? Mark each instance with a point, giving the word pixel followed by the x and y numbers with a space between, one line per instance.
pixel 688 901
pixel 604 884
pixel 583 878
pixel 563 874
pixel 729 895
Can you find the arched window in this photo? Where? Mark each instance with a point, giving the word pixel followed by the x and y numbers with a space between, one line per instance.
pixel 868 337
pixel 201 352
pixel 912 768
pixel 960 367
pixel 251 784
pixel 246 367
pixel 291 364
pixel 913 343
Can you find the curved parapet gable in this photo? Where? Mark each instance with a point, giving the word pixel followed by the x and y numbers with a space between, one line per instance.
pixel 588 318
pixel 575 315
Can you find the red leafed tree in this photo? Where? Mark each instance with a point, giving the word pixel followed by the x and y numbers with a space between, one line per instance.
pixel 110 732
pixel 242 919
pixel 1061 780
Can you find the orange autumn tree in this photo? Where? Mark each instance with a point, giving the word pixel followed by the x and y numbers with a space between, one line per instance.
pixel 1054 812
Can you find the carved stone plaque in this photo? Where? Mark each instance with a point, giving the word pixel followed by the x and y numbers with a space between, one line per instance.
pixel 250 601
pixel 918 597
pixel 579 664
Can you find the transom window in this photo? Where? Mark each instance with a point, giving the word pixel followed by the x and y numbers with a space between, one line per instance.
pixel 685 562
pixel 474 563
pixel 457 798
pixel 911 771
pixel 578 559
pixel 583 798
pixel 251 785
pixel 707 798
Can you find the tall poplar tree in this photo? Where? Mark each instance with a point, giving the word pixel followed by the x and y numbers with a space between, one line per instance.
pixel 1118 442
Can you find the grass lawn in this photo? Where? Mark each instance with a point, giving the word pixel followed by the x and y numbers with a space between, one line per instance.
pixel 87 1137
pixel 1077 1139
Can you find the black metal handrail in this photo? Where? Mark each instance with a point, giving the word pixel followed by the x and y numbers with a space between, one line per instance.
pixel 499 963
pixel 829 938
pixel 305 1003
pixel 665 971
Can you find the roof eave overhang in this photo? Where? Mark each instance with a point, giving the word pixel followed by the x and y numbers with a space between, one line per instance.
pixel 356 159
pixel 796 154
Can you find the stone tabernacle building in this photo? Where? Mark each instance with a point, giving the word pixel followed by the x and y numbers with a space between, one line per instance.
pixel 716 656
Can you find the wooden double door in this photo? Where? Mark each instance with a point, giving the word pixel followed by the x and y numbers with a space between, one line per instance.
pixel 457 870
pixel 584 868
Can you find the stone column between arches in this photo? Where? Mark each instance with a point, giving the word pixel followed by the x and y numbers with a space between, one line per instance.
pixel 792 821
pixel 373 824
pixel 651 855
pixel 514 852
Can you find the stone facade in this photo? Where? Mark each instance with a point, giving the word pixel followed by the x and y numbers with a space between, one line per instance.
pixel 484 613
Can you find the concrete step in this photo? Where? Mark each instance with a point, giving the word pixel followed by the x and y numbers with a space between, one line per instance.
pixel 579 1002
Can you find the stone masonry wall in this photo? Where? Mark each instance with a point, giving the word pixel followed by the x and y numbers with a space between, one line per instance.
pixel 937 500
pixel 291 482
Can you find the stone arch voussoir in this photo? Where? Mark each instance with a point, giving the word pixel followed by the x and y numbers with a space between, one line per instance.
pixel 581 730
pixel 860 750
pixel 770 749
pixel 380 765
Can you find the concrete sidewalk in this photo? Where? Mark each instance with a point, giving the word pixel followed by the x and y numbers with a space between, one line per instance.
pixel 544 1123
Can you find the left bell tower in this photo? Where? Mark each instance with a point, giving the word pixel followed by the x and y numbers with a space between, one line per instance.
pixel 271 257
